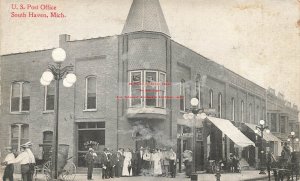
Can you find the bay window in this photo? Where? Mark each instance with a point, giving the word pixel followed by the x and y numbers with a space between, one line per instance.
pixel 147 89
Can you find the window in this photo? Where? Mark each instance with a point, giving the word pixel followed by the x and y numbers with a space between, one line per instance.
pixel 20 97
pixel 147 89
pixel 282 124
pixel 47 143
pixel 151 88
pixel 220 105
pixel 90 135
pixel 210 99
pixel 257 114
pixel 233 109
pixel 162 90
pixel 273 122
pixel 90 97
pixel 182 95
pixel 19 135
pixel 198 90
pixel 263 115
pixel 250 113
pixel 242 111
pixel 49 98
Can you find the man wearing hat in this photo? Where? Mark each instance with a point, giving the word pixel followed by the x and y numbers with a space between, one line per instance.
pixel 9 168
pixel 106 163
pixel 31 158
pixel 90 158
pixel 24 159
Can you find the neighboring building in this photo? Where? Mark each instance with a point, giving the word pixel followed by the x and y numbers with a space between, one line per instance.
pixel 96 112
pixel 282 117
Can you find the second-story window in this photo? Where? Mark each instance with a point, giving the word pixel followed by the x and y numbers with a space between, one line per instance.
pixel 182 95
pixel 49 97
pixel 233 109
pixel 220 105
pixel 211 94
pixel 90 93
pixel 242 111
pixel 20 97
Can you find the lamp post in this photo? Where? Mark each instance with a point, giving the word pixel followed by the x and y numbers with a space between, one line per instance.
pixel 193 115
pixel 292 138
pixel 57 72
pixel 260 128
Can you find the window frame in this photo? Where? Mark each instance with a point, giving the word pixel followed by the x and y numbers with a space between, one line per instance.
pixel 45 100
pixel 143 87
pixel 19 138
pixel 242 111
pixel 220 104
pixel 86 93
pixel 182 94
pixel 20 111
pixel 211 98
pixel 232 109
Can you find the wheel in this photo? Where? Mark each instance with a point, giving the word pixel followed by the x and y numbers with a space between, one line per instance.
pixel 69 171
pixel 46 170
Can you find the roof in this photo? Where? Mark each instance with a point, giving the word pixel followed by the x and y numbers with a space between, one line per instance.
pixel 146 15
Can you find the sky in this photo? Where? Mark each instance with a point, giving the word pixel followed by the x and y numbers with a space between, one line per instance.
pixel 258 39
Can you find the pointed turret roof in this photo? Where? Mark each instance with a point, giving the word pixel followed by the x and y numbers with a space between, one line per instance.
pixel 146 15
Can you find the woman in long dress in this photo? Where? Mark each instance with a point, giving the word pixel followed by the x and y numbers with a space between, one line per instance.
pixel 127 171
pixel 157 163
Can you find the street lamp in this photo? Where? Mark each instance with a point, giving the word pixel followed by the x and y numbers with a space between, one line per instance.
pixel 260 128
pixel 292 138
pixel 57 72
pixel 194 115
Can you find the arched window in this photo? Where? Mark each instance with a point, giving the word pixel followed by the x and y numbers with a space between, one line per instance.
pixel 257 114
pixel 220 105
pixel 198 89
pixel 211 94
pixel 182 95
pixel 242 111
pixel 90 93
pixel 233 109
pixel 20 97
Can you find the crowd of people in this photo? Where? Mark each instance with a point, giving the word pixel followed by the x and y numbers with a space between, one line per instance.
pixel 127 163
pixel 25 158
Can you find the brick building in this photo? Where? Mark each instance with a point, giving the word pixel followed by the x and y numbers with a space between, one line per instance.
pixel 96 112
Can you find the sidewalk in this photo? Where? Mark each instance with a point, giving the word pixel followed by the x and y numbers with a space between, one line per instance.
pixel 244 176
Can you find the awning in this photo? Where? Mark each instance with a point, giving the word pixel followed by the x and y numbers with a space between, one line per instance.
pixel 231 131
pixel 267 136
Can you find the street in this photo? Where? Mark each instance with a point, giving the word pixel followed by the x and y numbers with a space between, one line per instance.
pixel 245 175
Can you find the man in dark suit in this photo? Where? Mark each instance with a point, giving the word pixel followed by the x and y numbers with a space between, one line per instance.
pixel 105 161
pixel 90 158
pixel 140 160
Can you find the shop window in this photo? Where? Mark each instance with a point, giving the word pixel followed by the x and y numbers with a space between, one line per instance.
pixel 90 135
pixel 90 97
pixel 49 97
pixel 20 97
pixel 19 135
